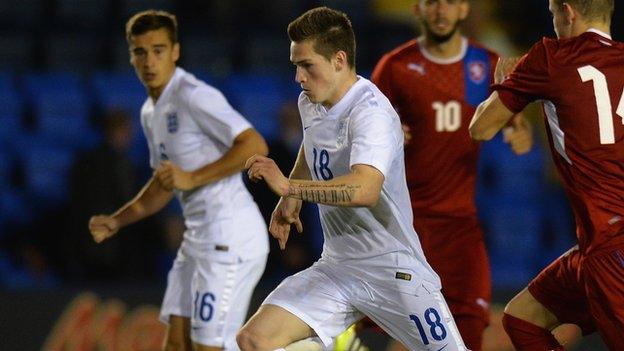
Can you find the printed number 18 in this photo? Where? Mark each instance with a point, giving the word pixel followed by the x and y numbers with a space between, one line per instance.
pixel 436 329
pixel 323 164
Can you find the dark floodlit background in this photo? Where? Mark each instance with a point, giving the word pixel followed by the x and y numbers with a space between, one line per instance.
pixel 71 146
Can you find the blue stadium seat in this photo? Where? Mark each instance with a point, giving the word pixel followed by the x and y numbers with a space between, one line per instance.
pixel 259 98
pixel 120 89
pixel 61 109
pixel 11 110
pixel 46 172
pixel 514 236
pixel 502 173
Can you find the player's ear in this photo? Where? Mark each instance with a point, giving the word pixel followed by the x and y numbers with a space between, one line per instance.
pixel 176 52
pixel 464 9
pixel 340 60
pixel 569 12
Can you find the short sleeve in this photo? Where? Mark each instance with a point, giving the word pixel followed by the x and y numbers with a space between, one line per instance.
pixel 215 116
pixel 382 77
pixel 528 82
pixel 374 140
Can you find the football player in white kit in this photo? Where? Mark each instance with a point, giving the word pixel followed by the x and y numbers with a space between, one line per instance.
pixel 351 165
pixel 198 145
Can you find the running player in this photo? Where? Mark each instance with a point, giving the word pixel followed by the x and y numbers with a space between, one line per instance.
pixel 580 79
pixel 350 163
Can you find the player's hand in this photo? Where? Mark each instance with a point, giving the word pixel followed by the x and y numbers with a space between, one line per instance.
pixel 407 134
pixel 263 168
pixel 172 177
pixel 285 214
pixel 518 135
pixel 504 67
pixel 103 227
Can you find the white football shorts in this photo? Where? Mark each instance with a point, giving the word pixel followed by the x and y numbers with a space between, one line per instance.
pixel 214 293
pixel 330 297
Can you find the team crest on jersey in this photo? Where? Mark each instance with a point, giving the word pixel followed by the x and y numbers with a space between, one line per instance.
pixel 476 71
pixel 342 132
pixel 172 122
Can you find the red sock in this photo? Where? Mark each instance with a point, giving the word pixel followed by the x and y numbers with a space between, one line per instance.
pixel 529 337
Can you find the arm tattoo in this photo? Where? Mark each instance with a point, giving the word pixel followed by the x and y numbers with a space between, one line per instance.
pixel 338 194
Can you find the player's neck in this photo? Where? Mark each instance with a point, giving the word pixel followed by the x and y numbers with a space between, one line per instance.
pixel 585 26
pixel 156 92
pixel 341 89
pixel 448 49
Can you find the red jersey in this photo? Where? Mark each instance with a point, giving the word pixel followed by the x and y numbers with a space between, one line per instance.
pixel 581 83
pixel 436 98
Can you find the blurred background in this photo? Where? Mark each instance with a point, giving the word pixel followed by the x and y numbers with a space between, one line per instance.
pixel 71 146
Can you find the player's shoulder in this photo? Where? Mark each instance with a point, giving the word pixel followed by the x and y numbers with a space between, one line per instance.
pixel 493 55
pixel 190 89
pixel 401 52
pixel 370 100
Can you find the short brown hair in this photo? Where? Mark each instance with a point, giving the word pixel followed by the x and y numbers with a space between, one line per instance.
pixel 331 31
pixel 592 9
pixel 149 20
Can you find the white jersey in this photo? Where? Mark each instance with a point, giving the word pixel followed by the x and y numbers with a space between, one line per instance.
pixel 363 128
pixel 192 125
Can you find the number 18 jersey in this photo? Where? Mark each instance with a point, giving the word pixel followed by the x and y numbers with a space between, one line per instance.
pixel 363 128
pixel 581 83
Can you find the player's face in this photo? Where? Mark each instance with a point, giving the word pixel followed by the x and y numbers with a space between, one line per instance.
pixel 441 18
pixel 154 57
pixel 561 23
pixel 316 75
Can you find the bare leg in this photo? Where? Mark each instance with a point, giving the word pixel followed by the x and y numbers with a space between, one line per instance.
pixel 178 337
pixel 272 327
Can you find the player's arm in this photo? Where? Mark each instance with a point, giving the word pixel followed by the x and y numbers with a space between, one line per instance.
pixel 360 188
pixel 151 199
pixel 286 212
pixel 246 144
pixel 490 117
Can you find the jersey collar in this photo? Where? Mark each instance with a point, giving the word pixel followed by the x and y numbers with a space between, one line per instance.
pixel 443 61
pixel 172 82
pixel 599 32
pixel 344 102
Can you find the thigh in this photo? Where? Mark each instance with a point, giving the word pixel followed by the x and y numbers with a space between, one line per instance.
pixel 603 276
pixel 419 320
pixel 177 300
pixel 317 300
pixel 559 289
pixel 221 292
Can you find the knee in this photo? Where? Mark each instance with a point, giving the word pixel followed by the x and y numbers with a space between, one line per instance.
pixel 248 339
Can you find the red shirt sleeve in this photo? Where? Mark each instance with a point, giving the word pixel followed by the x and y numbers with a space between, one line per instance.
pixel 529 81
pixel 382 77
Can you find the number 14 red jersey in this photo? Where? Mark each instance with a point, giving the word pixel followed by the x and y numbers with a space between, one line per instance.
pixel 581 83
